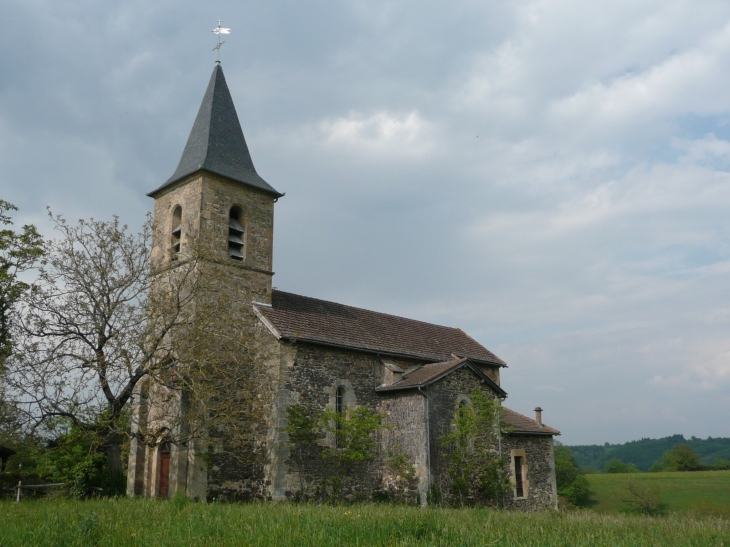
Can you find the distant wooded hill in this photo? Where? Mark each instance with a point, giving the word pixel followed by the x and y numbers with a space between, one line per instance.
pixel 645 452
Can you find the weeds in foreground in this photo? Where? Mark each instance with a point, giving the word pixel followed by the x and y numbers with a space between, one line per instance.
pixel 125 522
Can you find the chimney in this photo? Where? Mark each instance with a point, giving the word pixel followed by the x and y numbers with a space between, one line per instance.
pixel 538 416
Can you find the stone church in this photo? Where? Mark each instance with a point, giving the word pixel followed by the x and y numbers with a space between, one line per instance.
pixel 321 354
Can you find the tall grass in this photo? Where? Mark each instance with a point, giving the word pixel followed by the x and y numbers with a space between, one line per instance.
pixel 127 522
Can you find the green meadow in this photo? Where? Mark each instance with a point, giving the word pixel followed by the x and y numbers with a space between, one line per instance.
pixel 173 523
pixel 704 492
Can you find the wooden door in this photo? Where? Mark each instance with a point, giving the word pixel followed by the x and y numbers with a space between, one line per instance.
pixel 164 481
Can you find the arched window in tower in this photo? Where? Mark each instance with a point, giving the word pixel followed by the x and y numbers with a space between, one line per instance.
pixel 340 405
pixel 176 233
pixel 235 234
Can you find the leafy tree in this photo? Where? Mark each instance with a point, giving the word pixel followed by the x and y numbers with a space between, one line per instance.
pixel 683 458
pixel 19 252
pixel 101 326
pixel 680 458
pixel 474 467
pixel 566 471
pixel 614 465
pixel 571 482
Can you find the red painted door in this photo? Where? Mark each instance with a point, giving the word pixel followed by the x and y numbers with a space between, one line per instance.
pixel 164 475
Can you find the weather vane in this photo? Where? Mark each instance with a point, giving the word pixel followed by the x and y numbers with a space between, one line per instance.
pixel 220 30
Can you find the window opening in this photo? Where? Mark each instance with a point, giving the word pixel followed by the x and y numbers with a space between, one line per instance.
pixel 340 405
pixel 520 491
pixel 176 236
pixel 235 234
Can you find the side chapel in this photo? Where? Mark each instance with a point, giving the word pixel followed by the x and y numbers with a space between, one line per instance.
pixel 322 354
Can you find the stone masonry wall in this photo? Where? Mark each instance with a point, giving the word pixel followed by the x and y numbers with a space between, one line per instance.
pixel 538 471
pixel 311 379
pixel 443 399
pixel 405 417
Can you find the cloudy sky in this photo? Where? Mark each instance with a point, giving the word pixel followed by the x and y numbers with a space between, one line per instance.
pixel 551 176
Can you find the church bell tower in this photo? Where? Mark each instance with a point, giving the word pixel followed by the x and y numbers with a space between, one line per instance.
pixel 215 200
pixel 216 196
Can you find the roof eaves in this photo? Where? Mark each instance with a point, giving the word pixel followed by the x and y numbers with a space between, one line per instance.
pixel 553 432
pixel 501 362
pixel 353 347
pixel 172 181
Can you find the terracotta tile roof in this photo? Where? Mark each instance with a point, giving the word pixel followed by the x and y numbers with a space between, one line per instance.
pixel 523 424
pixel 427 373
pixel 307 319
pixel 432 372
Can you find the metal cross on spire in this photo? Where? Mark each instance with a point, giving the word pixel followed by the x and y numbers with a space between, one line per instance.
pixel 220 30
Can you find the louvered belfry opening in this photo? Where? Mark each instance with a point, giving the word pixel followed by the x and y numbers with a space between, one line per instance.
pixel 235 234
pixel 176 234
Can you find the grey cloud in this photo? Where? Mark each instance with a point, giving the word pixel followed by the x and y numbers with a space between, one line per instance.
pixel 548 176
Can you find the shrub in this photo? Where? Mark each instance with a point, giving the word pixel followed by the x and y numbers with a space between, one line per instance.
pixel 643 496
pixel 572 483
pixel 614 465
pixel 578 492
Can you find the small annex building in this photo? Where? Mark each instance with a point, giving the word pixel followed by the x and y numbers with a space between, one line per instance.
pixel 320 354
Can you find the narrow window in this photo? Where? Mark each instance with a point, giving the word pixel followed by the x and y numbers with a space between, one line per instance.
pixel 235 234
pixel 520 491
pixel 340 405
pixel 176 234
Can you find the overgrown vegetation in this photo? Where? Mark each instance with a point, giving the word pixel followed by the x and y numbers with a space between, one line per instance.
pixel 571 481
pixel 337 452
pixel 475 470
pixel 343 448
pixel 127 523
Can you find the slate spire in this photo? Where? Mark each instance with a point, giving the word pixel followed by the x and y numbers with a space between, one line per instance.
pixel 216 142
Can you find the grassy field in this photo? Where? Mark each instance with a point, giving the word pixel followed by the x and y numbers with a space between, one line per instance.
pixel 175 523
pixel 706 492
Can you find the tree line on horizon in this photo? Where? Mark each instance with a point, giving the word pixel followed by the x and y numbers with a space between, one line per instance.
pixel 655 455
